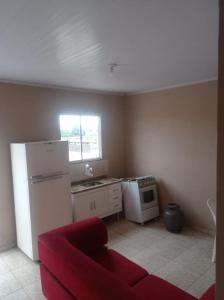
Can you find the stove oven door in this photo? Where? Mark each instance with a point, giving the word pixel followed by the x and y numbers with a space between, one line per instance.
pixel 148 197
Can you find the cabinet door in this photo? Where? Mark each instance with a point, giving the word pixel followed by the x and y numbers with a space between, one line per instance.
pixel 89 204
pixel 82 206
pixel 99 198
pixel 98 202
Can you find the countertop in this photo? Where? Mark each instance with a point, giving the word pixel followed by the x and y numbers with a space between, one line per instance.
pixel 78 187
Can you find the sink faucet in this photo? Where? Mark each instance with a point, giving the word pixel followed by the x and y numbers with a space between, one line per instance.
pixel 88 170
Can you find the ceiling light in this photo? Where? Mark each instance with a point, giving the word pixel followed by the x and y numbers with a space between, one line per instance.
pixel 113 66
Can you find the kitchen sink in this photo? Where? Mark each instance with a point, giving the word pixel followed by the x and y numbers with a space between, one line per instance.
pixel 91 183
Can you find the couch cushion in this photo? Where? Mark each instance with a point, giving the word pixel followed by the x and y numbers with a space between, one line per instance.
pixel 155 288
pixel 87 235
pixel 210 294
pixel 79 274
pixel 120 266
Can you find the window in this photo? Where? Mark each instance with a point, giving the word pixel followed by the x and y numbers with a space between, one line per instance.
pixel 83 134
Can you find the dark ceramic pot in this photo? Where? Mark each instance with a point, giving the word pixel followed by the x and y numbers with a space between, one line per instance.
pixel 173 218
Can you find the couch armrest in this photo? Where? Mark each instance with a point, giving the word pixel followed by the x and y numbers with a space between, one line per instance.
pixel 87 235
pixel 83 277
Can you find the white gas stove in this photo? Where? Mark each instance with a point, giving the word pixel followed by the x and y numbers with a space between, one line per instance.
pixel 140 198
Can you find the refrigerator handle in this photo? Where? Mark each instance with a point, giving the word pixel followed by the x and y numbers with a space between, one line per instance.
pixel 42 176
pixel 34 181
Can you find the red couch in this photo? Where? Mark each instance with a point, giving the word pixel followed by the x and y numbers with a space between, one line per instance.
pixel 76 264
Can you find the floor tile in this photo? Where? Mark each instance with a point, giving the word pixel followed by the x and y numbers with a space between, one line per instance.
pixel 126 228
pixel 194 261
pixel 147 238
pixel 211 272
pixel 3 267
pixel 200 286
pixel 168 248
pixel 186 239
pixel 127 247
pixel 34 291
pixel 205 246
pixel 158 228
pixel 14 259
pixel 18 295
pixel 27 274
pixel 8 284
pixel 176 274
pixel 151 262
pixel 114 237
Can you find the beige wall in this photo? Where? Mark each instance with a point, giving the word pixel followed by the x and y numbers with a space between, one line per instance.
pixel 31 114
pixel 172 134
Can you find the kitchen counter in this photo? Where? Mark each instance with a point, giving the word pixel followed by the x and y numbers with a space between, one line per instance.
pixel 78 187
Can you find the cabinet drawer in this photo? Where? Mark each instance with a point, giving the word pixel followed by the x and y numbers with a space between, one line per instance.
pixel 115 189
pixel 115 198
pixel 116 206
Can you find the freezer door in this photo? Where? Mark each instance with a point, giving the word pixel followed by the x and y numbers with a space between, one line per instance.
pixel 50 206
pixel 47 158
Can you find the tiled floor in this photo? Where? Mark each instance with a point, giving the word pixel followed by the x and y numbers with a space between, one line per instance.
pixel 19 277
pixel 183 259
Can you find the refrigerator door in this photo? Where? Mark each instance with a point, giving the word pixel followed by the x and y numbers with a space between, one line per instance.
pixel 50 206
pixel 47 158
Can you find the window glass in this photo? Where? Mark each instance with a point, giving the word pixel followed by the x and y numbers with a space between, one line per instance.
pixel 90 137
pixel 83 134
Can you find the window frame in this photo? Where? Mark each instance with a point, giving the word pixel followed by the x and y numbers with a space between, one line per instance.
pixel 81 146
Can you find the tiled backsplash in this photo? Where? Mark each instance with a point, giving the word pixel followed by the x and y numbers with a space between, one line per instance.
pixel 77 170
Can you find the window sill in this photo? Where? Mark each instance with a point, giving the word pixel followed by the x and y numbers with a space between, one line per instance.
pixel 84 161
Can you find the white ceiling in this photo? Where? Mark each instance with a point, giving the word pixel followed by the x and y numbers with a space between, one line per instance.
pixel 70 43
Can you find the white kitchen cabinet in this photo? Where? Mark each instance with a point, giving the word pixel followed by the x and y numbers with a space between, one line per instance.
pixel 82 207
pixel 100 206
pixel 101 202
pixel 115 197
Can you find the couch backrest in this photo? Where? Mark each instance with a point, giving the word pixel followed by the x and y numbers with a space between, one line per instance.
pixel 78 273
pixel 87 235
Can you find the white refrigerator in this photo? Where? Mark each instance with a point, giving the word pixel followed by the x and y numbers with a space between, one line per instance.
pixel 42 190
